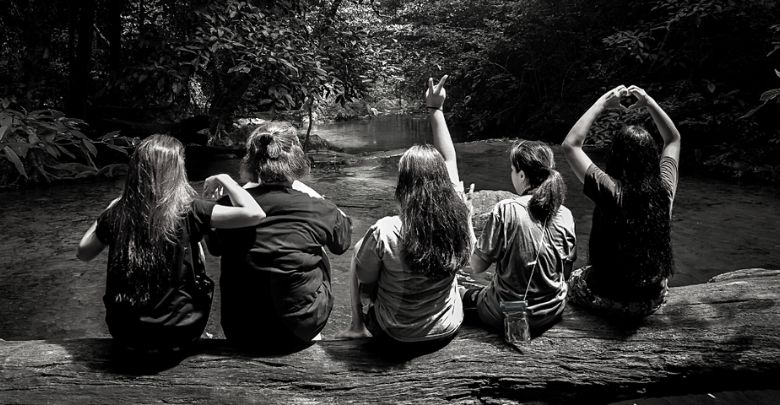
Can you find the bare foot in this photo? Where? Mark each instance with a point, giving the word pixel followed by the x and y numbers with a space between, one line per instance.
pixel 353 333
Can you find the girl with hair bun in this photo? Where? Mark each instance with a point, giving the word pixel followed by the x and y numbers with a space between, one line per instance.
pixel 530 239
pixel 158 295
pixel 276 278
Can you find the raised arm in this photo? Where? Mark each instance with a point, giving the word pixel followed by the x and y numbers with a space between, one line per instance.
pixel 669 132
pixel 245 210
pixel 572 145
pixel 442 141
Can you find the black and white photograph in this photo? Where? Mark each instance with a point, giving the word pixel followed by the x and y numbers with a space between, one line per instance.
pixel 390 202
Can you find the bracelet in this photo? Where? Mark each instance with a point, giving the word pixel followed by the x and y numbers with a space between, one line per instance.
pixel 434 108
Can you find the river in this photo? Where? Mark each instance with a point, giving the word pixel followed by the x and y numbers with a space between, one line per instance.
pixel 45 292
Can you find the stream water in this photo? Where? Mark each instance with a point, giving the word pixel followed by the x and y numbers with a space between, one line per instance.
pixel 45 292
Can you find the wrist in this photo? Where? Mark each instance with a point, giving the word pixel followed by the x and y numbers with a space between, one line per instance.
pixel 432 108
pixel 225 179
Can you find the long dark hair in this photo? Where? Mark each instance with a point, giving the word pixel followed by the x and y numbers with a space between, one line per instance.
pixel 435 219
pixel 274 155
pixel 642 224
pixel 145 222
pixel 536 160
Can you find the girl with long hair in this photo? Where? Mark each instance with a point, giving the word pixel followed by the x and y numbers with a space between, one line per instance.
pixel 411 259
pixel 276 278
pixel 155 296
pixel 630 253
pixel 530 239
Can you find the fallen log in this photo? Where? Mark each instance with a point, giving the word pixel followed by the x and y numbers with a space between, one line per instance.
pixel 721 335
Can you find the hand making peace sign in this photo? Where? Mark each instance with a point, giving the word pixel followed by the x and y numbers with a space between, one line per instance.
pixel 435 95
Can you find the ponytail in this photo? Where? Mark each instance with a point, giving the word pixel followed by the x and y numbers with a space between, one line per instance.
pixel 536 160
pixel 547 197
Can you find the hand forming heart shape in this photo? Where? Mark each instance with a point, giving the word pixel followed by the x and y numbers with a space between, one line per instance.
pixel 628 100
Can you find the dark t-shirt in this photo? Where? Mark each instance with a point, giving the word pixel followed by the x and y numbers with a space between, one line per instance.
pixel 607 193
pixel 275 277
pixel 154 324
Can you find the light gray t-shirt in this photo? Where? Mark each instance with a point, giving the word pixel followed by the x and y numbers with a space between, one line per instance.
pixel 409 306
pixel 511 239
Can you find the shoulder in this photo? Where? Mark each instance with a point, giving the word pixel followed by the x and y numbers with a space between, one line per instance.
pixel 565 217
pixel 595 174
pixel 564 212
pixel 512 206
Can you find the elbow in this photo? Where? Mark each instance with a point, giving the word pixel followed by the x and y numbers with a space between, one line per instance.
pixel 568 145
pixel 82 255
pixel 256 217
pixel 676 135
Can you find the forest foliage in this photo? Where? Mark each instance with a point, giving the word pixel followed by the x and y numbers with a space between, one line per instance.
pixel 518 68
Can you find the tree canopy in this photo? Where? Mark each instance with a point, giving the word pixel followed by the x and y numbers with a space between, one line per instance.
pixel 518 68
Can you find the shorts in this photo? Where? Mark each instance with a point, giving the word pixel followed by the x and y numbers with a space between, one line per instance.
pixel 581 295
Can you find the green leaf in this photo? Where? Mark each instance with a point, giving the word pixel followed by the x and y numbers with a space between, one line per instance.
pixel 21 148
pixel 13 158
pixel 90 147
pixel 116 148
pixel 65 151
pixel 54 152
pixel 87 154
pixel 770 95
pixel 3 130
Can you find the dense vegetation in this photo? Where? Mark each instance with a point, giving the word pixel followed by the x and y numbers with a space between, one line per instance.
pixel 523 67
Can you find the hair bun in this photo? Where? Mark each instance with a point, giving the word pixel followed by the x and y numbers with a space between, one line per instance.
pixel 266 146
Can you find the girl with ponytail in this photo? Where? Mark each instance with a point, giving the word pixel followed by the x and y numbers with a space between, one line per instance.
pixel 530 239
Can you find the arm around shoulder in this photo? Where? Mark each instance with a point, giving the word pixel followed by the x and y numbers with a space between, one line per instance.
pixel 245 212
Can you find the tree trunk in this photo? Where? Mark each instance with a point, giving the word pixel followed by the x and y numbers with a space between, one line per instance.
pixel 76 101
pixel 229 88
pixel 115 8
pixel 722 335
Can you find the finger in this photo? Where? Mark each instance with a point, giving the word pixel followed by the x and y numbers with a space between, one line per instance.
pixel 441 83
pixel 430 85
pixel 471 190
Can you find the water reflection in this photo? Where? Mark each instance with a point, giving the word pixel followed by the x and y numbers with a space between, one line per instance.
pixel 379 133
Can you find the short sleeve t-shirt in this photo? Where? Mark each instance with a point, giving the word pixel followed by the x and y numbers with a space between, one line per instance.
pixel 278 271
pixel 197 221
pixel 607 194
pixel 513 240
pixel 409 306
pixel 159 322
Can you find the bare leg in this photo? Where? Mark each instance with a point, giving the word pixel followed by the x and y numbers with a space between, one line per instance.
pixel 357 328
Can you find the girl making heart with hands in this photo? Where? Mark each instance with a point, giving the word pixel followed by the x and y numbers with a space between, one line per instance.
pixel 630 253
